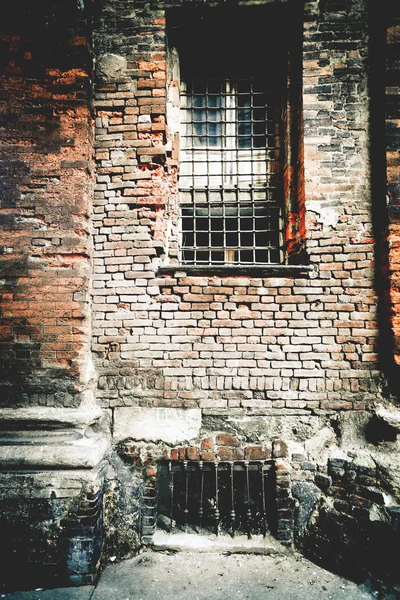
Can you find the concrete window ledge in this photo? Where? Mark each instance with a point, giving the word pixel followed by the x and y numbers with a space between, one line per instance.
pixel 240 270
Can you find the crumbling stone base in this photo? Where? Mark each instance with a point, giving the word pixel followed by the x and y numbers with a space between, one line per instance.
pixel 51 528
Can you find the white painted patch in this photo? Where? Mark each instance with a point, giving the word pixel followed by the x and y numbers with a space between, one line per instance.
pixel 328 216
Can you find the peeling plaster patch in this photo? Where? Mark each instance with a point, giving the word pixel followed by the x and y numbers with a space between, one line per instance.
pixel 328 215
pixel 110 66
pixel 36 223
pixel 169 425
pixel 90 371
pixel 320 442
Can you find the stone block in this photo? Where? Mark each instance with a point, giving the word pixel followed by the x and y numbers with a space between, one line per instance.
pixel 84 453
pixel 280 449
pixel 168 425
pixel 323 481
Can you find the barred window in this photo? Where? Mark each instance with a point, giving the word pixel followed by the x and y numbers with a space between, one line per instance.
pixel 238 73
pixel 230 184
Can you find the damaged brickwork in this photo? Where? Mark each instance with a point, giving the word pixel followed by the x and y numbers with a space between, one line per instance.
pixel 53 526
pixel 337 508
pixel 220 447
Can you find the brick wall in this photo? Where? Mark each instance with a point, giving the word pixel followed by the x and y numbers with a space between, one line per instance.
pixel 232 340
pixel 45 179
pixel 259 352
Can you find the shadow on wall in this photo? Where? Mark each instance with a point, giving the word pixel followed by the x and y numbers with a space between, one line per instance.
pixel 45 66
pixel 383 191
pixel 23 379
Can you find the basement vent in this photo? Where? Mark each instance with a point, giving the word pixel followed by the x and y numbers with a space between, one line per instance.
pixel 232 497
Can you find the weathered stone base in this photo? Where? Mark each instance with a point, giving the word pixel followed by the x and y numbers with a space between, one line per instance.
pixel 51 496
pixel 354 528
pixel 68 506
pixel 51 528
pixel 335 494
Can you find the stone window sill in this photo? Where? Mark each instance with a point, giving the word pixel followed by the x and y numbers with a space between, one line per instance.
pixel 251 270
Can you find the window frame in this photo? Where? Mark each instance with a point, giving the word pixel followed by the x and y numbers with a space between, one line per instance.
pixel 293 212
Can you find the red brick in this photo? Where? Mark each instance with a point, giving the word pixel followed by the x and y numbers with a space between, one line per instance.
pixel 192 453
pixel 174 454
pixel 207 455
pixel 207 443
pixel 226 439
pixel 225 453
pixel 256 453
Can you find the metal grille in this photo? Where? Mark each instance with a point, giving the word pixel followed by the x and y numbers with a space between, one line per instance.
pixel 213 496
pixel 230 182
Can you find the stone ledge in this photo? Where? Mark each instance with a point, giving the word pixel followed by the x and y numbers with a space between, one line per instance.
pixel 48 418
pixel 275 270
pixel 84 453
pixel 390 416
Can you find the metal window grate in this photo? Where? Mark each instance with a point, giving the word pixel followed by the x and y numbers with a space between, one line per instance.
pixel 215 496
pixel 230 184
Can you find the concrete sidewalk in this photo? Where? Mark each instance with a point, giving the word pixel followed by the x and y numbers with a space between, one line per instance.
pixel 211 576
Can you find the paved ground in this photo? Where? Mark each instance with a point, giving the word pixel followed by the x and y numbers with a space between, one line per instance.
pixel 210 576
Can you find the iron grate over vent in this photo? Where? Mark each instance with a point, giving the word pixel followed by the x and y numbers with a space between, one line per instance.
pixel 230 496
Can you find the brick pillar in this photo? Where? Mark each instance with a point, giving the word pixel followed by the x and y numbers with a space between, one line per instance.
pixel 48 423
pixel 45 179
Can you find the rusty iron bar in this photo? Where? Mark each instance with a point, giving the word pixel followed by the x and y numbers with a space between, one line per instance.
pixel 201 493
pixel 217 515
pixel 248 513
pixel 227 486
pixel 263 476
pixel 233 514
pixel 171 487
pixel 186 510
